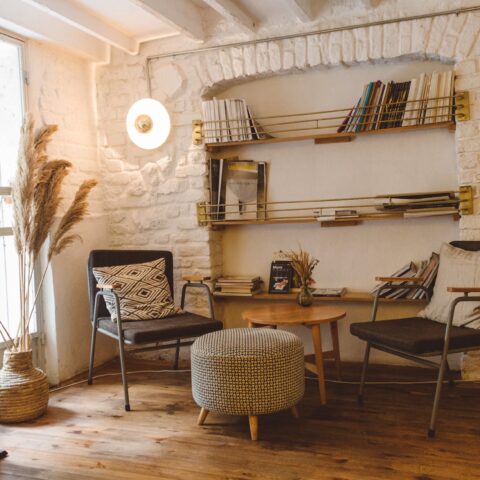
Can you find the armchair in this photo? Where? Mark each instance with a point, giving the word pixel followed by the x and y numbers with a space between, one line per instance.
pixel 418 338
pixel 143 335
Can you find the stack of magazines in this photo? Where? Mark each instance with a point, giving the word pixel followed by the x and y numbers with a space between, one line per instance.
pixel 426 271
pixel 229 120
pixel 422 100
pixel 241 286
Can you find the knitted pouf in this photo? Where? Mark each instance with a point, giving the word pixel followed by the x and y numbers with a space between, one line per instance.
pixel 247 371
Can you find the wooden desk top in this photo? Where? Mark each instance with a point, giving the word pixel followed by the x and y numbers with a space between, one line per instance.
pixel 292 314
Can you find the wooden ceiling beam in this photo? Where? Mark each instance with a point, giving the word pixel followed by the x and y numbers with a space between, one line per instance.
pixel 231 12
pixel 301 9
pixel 77 17
pixel 182 15
pixel 19 17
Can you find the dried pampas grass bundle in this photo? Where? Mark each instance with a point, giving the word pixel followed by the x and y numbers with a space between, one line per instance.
pixel 36 195
pixel 303 265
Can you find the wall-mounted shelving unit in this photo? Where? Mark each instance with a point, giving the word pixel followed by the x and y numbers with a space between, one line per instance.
pixel 332 126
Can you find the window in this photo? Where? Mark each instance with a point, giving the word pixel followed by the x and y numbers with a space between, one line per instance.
pixel 11 117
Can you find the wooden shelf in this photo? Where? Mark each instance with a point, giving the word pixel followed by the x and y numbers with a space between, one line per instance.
pixel 329 137
pixel 349 297
pixel 347 222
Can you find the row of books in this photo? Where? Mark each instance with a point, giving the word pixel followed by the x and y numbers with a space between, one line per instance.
pixel 422 204
pixel 238 189
pixel 229 120
pixel 242 286
pixel 422 100
pixel 426 271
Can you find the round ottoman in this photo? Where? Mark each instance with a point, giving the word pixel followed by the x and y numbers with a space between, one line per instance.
pixel 247 371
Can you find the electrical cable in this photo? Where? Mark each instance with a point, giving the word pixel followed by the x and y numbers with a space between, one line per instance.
pixel 328 380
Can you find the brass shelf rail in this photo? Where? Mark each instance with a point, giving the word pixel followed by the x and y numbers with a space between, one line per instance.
pixel 335 211
pixel 368 120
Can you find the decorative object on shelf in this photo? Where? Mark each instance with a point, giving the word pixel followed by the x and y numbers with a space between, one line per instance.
pixel 349 210
pixel 281 276
pixel 424 103
pixel 36 195
pixel 148 123
pixel 303 265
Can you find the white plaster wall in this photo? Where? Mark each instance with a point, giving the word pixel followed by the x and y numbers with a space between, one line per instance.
pixel 61 92
pixel 407 162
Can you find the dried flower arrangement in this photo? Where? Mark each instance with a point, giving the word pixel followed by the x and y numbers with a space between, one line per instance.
pixel 303 265
pixel 36 195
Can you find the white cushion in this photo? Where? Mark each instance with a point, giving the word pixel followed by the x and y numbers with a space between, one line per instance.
pixel 458 268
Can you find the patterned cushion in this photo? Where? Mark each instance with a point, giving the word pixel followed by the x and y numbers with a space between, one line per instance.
pixel 142 289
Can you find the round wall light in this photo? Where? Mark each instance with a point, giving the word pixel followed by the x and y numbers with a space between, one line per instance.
pixel 148 123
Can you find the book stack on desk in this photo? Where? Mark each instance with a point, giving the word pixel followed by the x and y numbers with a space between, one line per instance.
pixel 240 286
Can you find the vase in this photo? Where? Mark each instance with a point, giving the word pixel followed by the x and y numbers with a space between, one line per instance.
pixel 23 388
pixel 305 297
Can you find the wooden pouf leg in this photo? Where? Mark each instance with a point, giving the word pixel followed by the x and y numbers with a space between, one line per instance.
pixel 294 411
pixel 253 421
pixel 202 416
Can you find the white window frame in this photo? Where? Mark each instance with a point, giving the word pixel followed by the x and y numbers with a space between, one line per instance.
pixel 38 336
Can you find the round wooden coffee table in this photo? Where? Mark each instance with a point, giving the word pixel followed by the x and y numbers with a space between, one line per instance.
pixel 311 317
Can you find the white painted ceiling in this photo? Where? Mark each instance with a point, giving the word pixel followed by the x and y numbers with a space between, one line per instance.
pixel 91 27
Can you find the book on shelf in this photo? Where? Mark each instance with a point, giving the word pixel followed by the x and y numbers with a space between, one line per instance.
pixel 281 276
pixel 425 270
pixel 425 99
pixel 229 120
pixel 329 292
pixel 421 204
pixel 246 285
pixel 238 189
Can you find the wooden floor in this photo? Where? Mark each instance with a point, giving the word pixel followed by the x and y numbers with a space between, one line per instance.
pixel 87 435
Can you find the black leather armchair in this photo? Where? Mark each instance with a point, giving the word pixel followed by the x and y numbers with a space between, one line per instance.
pixel 418 338
pixel 174 330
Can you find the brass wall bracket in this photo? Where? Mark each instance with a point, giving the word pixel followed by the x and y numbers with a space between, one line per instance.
pixel 466 200
pixel 197 132
pixel 202 216
pixel 462 106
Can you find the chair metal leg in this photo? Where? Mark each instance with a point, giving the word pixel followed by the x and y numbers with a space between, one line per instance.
pixel 438 390
pixel 124 373
pixel 449 374
pixel 177 354
pixel 92 354
pixel 364 374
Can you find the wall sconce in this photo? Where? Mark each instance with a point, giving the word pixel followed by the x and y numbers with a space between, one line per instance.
pixel 148 123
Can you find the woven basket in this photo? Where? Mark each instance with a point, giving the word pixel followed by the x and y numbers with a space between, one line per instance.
pixel 23 388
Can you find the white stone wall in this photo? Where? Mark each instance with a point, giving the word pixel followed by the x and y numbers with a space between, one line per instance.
pixel 61 92
pixel 150 196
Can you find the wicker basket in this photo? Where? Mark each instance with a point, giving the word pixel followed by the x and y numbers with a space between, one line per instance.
pixel 23 388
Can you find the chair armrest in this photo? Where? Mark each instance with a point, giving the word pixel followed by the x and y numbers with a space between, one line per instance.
pixel 399 279
pixel 104 286
pixel 195 278
pixel 463 289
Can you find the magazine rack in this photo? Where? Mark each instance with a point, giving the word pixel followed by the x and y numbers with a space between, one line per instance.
pixel 340 211
pixel 310 125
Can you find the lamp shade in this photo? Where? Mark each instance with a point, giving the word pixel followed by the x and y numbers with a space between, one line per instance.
pixel 148 123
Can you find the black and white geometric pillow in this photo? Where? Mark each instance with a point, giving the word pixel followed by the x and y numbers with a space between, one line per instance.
pixel 142 289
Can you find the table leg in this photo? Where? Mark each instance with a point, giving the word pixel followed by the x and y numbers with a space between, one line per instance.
pixel 336 348
pixel 317 345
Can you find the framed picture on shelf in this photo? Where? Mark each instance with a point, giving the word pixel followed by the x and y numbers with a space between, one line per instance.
pixel 281 275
